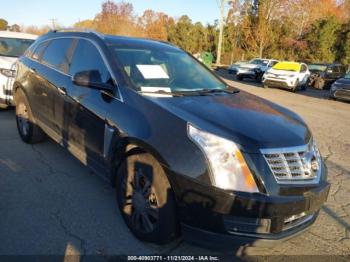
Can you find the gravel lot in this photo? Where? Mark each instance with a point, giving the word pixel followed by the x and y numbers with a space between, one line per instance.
pixel 51 204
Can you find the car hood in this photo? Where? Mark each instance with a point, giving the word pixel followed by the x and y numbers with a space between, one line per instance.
pixel 253 123
pixel 282 72
pixel 250 66
pixel 343 83
pixel 7 62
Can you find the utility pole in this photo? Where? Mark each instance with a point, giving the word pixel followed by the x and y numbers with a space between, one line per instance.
pixel 53 21
pixel 221 30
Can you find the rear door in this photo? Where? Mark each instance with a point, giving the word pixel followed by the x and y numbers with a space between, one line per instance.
pixel 86 117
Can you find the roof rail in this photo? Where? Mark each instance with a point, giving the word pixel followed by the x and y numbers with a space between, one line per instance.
pixel 74 29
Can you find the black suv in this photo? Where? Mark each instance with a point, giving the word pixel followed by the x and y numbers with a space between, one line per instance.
pixel 186 152
pixel 324 75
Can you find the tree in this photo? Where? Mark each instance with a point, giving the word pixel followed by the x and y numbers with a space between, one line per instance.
pixel 322 40
pixel 3 24
pixel 154 24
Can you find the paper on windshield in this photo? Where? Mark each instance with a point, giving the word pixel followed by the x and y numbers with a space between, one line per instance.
pixel 155 89
pixel 152 71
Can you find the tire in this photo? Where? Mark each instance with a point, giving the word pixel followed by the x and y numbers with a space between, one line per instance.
pixel 29 132
pixel 239 78
pixel 294 89
pixel 146 200
pixel 319 83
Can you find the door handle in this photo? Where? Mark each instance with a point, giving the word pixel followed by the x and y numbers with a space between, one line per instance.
pixel 62 90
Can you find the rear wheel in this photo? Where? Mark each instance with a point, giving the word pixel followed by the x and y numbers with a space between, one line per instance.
pixel 146 200
pixel 29 132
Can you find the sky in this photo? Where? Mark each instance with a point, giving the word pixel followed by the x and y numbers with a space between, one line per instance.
pixel 67 12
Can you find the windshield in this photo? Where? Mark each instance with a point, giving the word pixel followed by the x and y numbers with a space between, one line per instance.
pixel 258 62
pixel 320 68
pixel 167 70
pixel 14 47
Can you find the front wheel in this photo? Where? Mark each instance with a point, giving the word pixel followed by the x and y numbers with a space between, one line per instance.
pixel 146 200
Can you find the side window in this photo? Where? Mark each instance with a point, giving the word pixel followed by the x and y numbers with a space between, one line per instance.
pixel 55 54
pixel 39 50
pixel 303 69
pixel 86 58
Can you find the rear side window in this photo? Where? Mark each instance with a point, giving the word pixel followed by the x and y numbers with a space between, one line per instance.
pixel 86 58
pixel 39 50
pixel 56 54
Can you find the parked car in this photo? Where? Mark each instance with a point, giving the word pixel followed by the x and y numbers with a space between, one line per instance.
pixel 182 148
pixel 340 89
pixel 324 75
pixel 12 45
pixel 232 69
pixel 287 75
pixel 255 68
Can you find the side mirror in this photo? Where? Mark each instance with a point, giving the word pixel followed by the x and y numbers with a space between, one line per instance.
pixel 92 79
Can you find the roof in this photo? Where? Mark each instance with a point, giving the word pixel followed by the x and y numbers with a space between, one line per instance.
pixel 19 35
pixel 294 66
pixel 133 42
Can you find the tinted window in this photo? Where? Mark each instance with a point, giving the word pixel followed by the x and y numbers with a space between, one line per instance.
pixel 86 58
pixel 39 50
pixel 55 54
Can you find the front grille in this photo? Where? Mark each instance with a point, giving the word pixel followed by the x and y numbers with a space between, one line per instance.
pixel 294 164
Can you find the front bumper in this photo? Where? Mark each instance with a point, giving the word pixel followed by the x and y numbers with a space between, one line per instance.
pixel 340 93
pixel 279 83
pixel 227 218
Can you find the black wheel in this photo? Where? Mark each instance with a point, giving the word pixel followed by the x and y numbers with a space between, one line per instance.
pixel 146 200
pixel 29 132
pixel 319 83
pixel 239 78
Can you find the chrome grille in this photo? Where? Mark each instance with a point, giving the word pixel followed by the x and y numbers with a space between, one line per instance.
pixel 295 164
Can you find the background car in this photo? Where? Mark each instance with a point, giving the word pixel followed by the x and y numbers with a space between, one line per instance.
pixel 232 69
pixel 288 75
pixel 341 88
pixel 255 68
pixel 12 45
pixel 323 75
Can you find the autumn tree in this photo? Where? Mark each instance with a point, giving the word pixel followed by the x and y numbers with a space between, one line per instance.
pixel 3 24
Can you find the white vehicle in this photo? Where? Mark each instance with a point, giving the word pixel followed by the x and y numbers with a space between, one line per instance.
pixel 12 45
pixel 255 68
pixel 288 75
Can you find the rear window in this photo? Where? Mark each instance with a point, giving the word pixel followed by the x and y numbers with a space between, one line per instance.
pixel 55 54
pixel 14 47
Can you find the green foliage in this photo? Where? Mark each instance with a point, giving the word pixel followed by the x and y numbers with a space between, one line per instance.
pixel 3 24
pixel 322 40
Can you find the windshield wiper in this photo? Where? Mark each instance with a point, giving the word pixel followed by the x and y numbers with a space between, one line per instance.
pixel 218 90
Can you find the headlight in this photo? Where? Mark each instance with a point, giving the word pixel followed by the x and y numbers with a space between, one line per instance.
pixel 8 72
pixel 228 168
